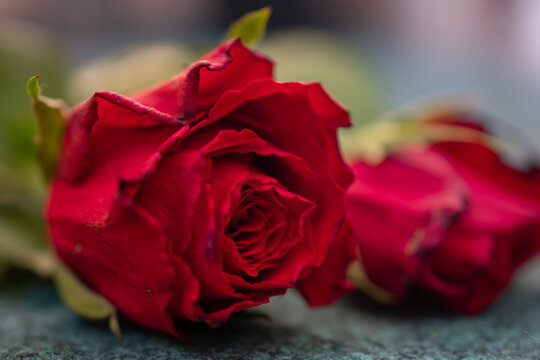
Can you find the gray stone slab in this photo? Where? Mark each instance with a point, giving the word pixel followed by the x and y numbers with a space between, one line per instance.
pixel 35 325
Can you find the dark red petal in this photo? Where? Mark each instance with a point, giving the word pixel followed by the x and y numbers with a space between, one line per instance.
pixel 116 163
pixel 499 231
pixel 105 110
pixel 171 191
pixel 204 256
pixel 327 283
pixel 309 124
pixel 501 189
pixel 125 258
pixel 229 67
pixel 334 116
pixel 414 179
pixel 462 255
pixel 469 280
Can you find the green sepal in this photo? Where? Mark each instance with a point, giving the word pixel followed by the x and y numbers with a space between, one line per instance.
pixel 251 27
pixel 84 301
pixel 51 127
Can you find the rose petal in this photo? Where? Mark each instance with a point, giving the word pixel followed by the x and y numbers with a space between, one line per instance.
pixel 231 66
pixel 105 110
pixel 113 258
pixel 499 231
pixel 327 283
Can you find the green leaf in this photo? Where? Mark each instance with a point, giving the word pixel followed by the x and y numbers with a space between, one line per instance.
pixel 51 127
pixel 84 301
pixel 251 27
pixel 32 87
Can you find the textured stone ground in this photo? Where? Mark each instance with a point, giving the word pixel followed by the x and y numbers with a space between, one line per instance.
pixel 35 325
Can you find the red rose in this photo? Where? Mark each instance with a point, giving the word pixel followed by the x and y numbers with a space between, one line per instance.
pixel 203 195
pixel 450 222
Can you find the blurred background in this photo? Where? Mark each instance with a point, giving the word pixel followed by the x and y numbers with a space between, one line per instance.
pixel 372 55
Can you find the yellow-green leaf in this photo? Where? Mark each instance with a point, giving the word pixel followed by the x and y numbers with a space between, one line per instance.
pixel 51 126
pixel 84 301
pixel 32 87
pixel 251 27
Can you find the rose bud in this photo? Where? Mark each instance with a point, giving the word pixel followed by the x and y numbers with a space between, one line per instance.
pixel 202 196
pixel 448 222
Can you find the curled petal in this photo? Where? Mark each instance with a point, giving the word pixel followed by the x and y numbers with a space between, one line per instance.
pixel 231 66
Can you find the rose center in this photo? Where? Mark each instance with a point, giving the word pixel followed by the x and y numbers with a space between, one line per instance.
pixel 256 225
pixel 266 222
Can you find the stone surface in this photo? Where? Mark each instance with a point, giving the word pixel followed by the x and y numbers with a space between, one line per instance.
pixel 35 325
